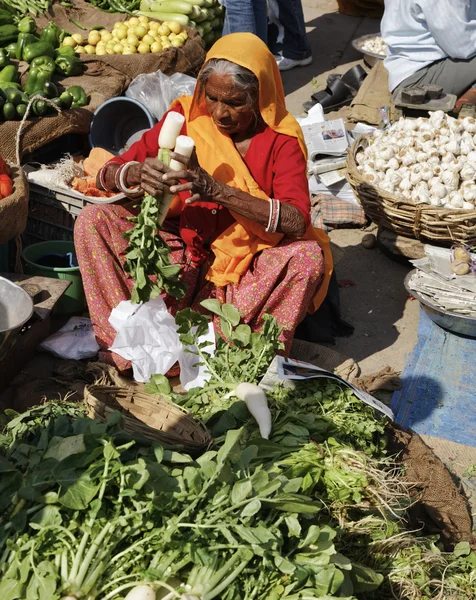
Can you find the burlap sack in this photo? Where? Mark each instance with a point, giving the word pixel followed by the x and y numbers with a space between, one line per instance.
pixel 373 94
pixel 14 208
pixel 100 82
pixel 187 59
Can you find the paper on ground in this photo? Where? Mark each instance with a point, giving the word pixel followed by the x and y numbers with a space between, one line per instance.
pixel 341 190
pixel 287 370
pixel 146 334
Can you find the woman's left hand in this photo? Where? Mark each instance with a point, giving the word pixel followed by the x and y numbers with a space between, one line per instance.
pixel 202 187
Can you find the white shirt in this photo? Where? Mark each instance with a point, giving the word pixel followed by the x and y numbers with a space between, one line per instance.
pixel 421 32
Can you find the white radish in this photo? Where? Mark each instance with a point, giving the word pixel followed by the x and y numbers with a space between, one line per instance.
pixel 170 130
pixel 184 146
pixel 141 592
pixel 255 399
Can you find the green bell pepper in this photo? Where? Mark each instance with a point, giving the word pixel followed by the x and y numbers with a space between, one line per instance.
pixel 44 63
pixel 4 85
pixel 23 40
pixel 26 25
pixel 4 58
pixel 39 107
pixel 51 35
pixel 12 50
pixel 65 51
pixel 36 80
pixel 8 74
pixel 8 34
pixel 6 17
pixel 80 97
pixel 37 49
pixel 66 99
pixel 69 65
pixel 50 89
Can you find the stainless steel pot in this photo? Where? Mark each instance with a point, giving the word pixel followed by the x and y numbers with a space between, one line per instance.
pixel 460 324
pixel 370 58
pixel 16 307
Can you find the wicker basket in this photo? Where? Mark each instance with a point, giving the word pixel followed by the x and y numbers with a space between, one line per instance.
pixel 426 223
pixel 149 415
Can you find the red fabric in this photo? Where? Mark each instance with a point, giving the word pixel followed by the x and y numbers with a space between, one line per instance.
pixel 276 163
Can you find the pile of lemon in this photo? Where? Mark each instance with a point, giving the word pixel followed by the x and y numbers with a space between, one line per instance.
pixel 136 35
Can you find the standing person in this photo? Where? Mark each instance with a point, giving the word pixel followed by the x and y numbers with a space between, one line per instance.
pixel 249 16
pixel 287 37
pixel 430 42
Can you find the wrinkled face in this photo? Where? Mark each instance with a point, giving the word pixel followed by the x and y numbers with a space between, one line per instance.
pixel 228 105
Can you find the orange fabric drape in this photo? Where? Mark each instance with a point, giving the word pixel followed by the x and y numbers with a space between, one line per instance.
pixel 234 248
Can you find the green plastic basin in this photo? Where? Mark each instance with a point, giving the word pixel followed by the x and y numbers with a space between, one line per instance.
pixel 73 301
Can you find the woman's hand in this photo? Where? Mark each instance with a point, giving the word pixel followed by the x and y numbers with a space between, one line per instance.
pixel 150 176
pixel 201 185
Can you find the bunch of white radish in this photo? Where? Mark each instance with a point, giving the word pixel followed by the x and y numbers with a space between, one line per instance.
pixel 426 161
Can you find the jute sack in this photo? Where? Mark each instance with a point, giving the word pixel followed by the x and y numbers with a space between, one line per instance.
pixel 187 59
pixel 14 208
pixel 100 82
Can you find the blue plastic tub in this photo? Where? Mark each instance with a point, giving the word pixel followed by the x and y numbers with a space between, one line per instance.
pixel 117 122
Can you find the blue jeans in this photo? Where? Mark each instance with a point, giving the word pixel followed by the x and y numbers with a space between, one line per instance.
pixel 246 15
pixel 287 32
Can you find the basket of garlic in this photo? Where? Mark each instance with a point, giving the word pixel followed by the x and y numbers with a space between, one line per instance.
pixel 417 178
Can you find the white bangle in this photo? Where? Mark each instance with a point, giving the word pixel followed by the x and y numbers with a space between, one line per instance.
pixel 122 179
pixel 274 212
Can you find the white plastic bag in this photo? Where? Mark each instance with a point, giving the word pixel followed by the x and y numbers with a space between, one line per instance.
pixel 74 341
pixel 147 336
pixel 157 91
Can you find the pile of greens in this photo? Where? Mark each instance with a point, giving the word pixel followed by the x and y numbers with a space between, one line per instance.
pixel 314 513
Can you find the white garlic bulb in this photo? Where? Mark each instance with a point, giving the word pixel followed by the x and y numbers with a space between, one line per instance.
pixel 415 177
pixel 433 160
pixel 468 173
pixel 469 124
pixel 466 148
pixel 434 201
pixel 423 156
pixel 393 163
pixel 371 177
pixel 468 190
pixel 428 147
pixel 456 200
pixel 426 173
pixel 386 153
pixel 405 184
pixel 450 179
pixel 448 157
pixel 471 157
pixel 453 146
pixel 387 186
pixel 380 164
pixel 420 197
pixel 454 166
pixel 455 125
pixel 409 158
pixel 360 158
pixel 468 206
pixel 437 116
pixel 439 191
pixel 434 181
pixel 394 177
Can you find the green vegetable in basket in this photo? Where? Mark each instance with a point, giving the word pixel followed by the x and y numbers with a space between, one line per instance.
pixel 27 25
pixel 36 80
pixel 66 99
pixel 8 34
pixel 80 98
pixel 57 102
pixel 9 111
pixel 5 85
pixel 12 50
pixel 39 107
pixel 44 63
pixel 21 110
pixel 50 89
pixel 4 58
pixel 14 96
pixel 69 65
pixel 65 51
pixel 51 34
pixel 8 74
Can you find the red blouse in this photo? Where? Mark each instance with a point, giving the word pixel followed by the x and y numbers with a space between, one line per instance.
pixel 276 163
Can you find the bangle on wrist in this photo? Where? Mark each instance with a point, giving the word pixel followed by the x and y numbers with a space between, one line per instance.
pixel 274 212
pixel 102 176
pixel 121 179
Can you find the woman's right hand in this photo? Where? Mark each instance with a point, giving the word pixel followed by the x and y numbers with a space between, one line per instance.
pixel 149 176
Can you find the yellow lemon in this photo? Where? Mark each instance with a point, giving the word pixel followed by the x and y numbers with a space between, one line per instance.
pixel 132 40
pixel 174 27
pixel 154 25
pixel 70 41
pixel 93 38
pixel 164 30
pixel 143 48
pixel 134 21
pixel 129 49
pixel 118 48
pixel 78 38
pixel 100 50
pixel 177 43
pixel 148 39
pixel 143 19
pixel 118 24
pixel 80 50
pixel 106 36
pixel 122 33
pixel 90 49
pixel 140 31
pixel 156 47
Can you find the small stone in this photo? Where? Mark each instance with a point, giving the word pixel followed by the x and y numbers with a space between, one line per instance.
pixel 369 241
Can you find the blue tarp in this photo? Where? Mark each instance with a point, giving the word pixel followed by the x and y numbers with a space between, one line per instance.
pixel 438 395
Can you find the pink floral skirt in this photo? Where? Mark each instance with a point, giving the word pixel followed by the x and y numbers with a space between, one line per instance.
pixel 281 281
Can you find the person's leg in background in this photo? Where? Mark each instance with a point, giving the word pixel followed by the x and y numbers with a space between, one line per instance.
pixel 246 16
pixel 287 37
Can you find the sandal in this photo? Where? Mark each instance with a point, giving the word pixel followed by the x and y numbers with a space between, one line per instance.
pixel 341 89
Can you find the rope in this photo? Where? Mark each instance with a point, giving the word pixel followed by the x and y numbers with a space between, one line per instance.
pixel 19 249
pixel 23 121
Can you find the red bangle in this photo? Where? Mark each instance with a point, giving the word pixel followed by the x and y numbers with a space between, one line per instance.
pixel 102 176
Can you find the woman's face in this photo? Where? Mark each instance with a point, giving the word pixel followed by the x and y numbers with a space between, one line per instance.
pixel 228 105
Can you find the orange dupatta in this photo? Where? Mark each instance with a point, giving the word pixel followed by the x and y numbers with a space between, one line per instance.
pixel 234 248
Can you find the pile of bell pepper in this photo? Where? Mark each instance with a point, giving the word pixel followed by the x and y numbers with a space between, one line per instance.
pixel 46 57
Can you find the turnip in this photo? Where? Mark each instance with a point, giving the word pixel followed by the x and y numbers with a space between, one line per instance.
pixel 255 399
pixel 141 592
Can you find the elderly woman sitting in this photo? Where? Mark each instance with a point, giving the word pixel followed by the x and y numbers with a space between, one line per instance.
pixel 240 222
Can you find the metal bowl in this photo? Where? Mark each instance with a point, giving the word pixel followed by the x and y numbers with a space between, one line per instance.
pixel 16 308
pixel 460 324
pixel 369 57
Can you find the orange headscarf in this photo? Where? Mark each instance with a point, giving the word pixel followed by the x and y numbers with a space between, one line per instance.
pixel 234 248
